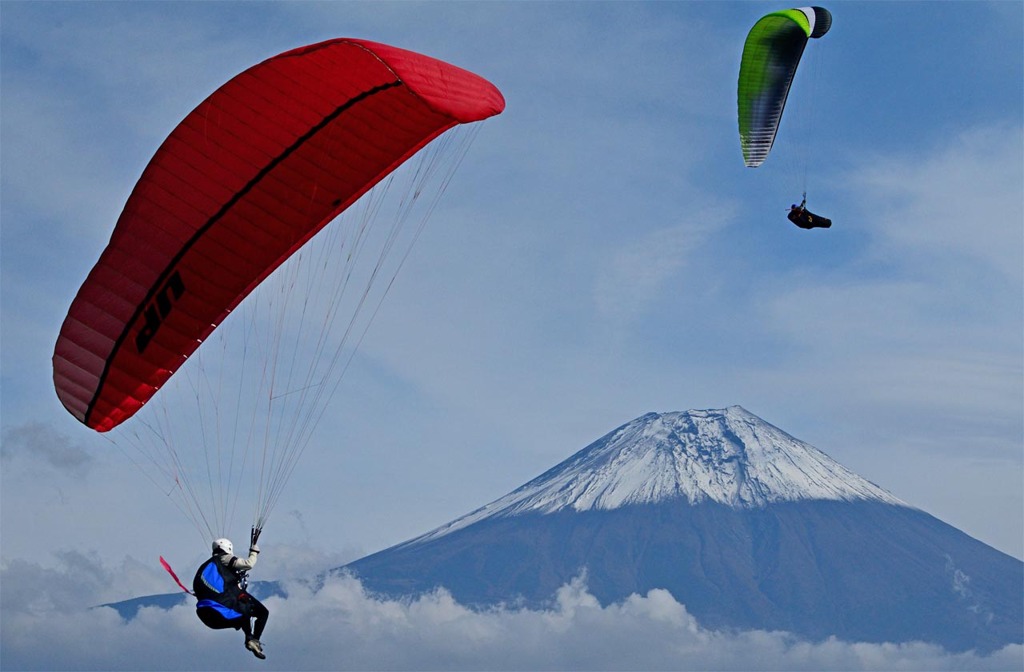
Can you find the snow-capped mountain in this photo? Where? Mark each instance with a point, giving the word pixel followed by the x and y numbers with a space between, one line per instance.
pixel 744 524
pixel 728 456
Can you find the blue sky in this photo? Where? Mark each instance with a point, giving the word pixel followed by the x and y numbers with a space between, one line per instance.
pixel 601 253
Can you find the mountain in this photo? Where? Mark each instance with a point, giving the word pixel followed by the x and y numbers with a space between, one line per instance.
pixel 129 609
pixel 744 524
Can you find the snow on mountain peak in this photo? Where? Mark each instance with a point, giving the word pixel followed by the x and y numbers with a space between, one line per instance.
pixel 728 456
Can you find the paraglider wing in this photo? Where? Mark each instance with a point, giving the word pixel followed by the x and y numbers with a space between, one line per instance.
pixel 771 54
pixel 241 183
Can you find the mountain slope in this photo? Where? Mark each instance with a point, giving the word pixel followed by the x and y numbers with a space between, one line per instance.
pixel 745 525
pixel 729 456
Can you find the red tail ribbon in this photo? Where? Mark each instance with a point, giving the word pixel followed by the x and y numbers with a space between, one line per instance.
pixel 175 576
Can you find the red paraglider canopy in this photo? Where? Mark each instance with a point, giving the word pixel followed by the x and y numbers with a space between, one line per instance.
pixel 243 182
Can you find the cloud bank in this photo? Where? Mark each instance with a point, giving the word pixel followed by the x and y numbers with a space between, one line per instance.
pixel 47 623
pixel 47 448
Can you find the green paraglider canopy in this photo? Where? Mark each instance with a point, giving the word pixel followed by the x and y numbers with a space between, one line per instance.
pixel 770 58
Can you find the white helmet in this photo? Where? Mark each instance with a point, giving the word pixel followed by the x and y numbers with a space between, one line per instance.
pixel 223 546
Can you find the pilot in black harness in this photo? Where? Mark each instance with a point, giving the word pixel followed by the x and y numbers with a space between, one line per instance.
pixel 805 219
pixel 223 601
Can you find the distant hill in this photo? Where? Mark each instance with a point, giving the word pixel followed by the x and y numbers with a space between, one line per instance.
pixel 129 609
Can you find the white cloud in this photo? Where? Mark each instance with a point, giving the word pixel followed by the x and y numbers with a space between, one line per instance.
pixel 635 276
pixel 906 351
pixel 928 317
pixel 45 447
pixel 342 627
pixel 961 203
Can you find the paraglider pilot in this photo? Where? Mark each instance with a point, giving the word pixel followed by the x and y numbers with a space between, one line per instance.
pixel 223 601
pixel 805 219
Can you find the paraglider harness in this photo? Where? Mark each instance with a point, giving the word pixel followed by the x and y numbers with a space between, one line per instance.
pixel 805 219
pixel 220 591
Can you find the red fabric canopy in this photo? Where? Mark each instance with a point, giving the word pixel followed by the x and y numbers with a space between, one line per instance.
pixel 245 179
